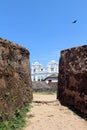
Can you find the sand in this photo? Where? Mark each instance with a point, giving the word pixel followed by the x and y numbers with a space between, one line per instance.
pixel 48 114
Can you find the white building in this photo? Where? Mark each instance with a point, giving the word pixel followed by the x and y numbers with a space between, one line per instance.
pixel 38 72
pixel 51 78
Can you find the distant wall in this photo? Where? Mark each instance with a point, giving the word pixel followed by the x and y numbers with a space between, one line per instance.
pixel 72 79
pixel 41 86
pixel 15 78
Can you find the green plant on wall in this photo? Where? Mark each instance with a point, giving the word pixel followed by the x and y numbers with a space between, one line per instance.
pixel 17 122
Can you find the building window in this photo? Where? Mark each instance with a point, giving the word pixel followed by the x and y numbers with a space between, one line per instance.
pixel 49 81
pixel 52 69
pixel 41 69
pixel 34 70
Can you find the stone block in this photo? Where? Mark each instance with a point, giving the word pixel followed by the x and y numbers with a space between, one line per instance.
pixel 72 79
pixel 15 78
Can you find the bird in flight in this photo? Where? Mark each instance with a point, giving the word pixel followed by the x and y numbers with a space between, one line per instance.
pixel 74 21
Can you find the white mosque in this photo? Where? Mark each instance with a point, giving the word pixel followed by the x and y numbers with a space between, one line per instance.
pixel 39 73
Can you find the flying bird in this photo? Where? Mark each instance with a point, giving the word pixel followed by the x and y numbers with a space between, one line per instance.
pixel 74 21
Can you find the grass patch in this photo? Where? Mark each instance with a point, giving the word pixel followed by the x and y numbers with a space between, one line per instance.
pixel 17 122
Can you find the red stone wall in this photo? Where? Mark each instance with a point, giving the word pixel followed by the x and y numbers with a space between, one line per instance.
pixel 72 79
pixel 15 78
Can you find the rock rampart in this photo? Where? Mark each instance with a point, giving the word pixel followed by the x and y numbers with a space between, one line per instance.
pixel 15 78
pixel 72 79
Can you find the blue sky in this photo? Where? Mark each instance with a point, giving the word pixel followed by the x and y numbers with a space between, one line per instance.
pixel 44 27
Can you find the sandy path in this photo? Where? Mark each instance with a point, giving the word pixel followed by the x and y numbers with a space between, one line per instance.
pixel 50 115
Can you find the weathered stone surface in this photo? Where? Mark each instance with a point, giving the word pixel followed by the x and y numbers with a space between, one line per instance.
pixel 72 80
pixel 41 86
pixel 15 78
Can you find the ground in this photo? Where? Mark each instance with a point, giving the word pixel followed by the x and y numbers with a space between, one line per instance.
pixel 48 114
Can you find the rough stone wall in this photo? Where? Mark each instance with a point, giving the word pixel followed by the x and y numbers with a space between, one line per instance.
pixel 15 78
pixel 41 86
pixel 72 80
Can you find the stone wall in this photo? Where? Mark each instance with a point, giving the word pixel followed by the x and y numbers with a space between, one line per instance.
pixel 41 86
pixel 15 78
pixel 72 80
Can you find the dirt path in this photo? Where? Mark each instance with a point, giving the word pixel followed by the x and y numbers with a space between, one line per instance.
pixel 48 114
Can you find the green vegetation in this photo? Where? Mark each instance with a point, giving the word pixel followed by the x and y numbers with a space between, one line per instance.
pixel 17 122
